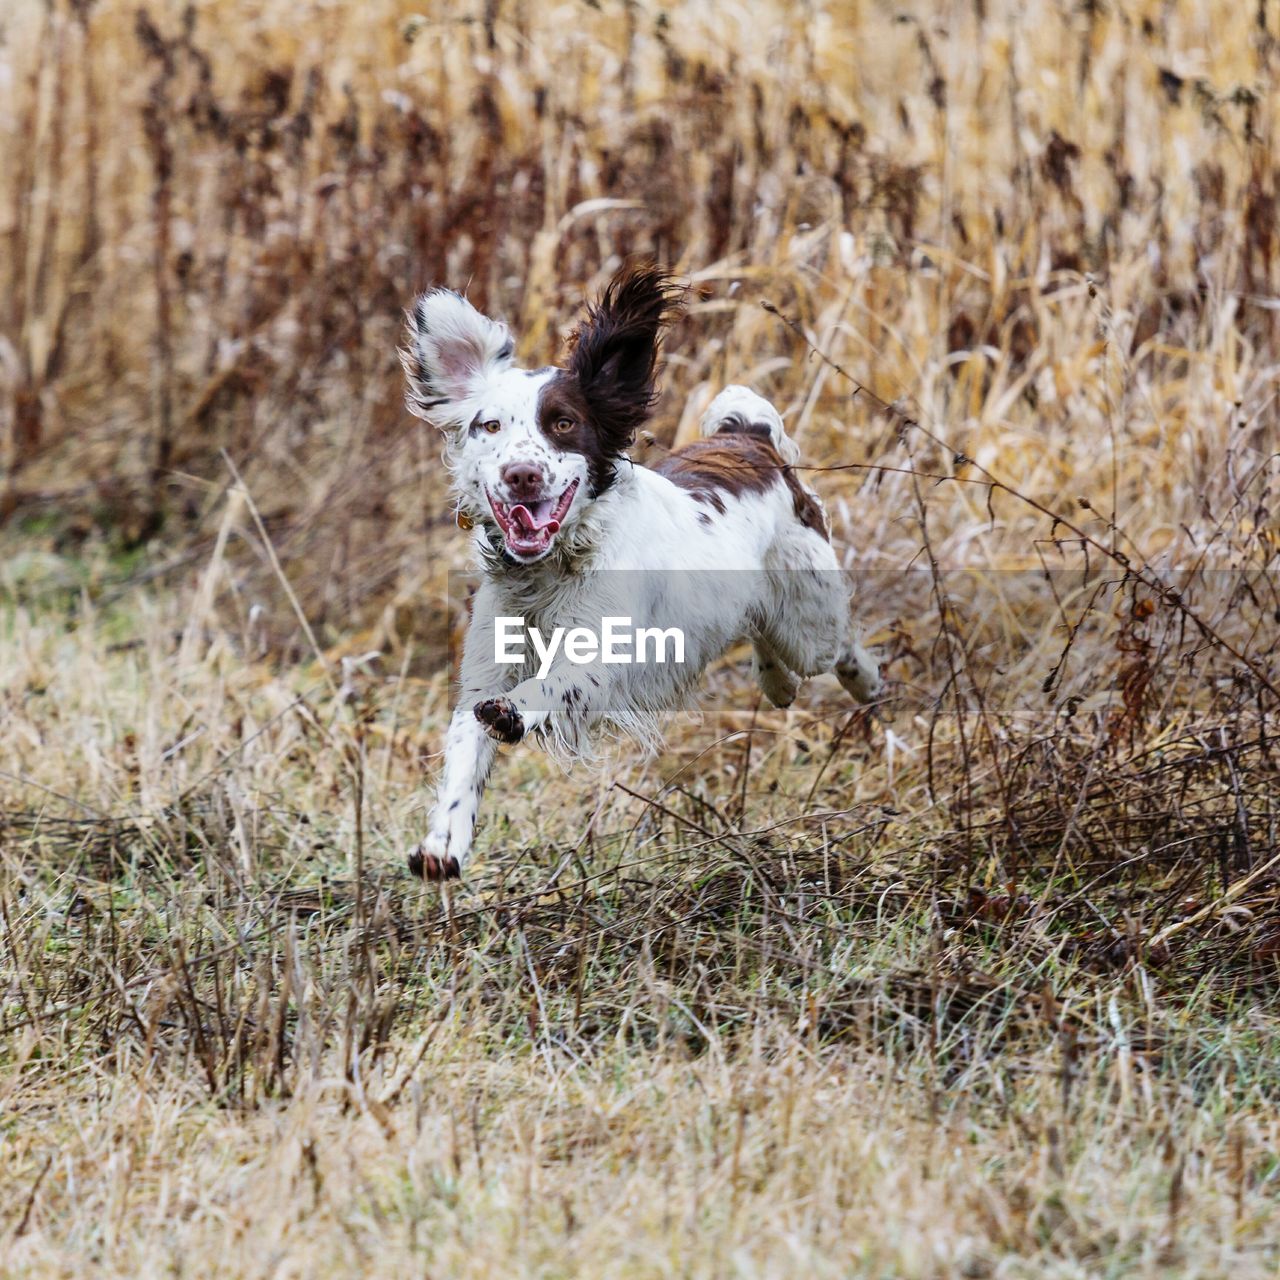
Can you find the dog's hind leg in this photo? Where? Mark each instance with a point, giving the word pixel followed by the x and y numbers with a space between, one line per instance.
pixel 859 672
pixel 823 645
pixel 808 627
pixel 776 680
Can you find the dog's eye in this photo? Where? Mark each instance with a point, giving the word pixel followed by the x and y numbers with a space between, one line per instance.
pixel 562 425
pixel 492 427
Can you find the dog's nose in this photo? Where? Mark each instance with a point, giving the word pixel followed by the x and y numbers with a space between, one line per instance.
pixel 523 479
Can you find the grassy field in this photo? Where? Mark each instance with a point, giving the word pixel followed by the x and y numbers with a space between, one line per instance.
pixel 980 981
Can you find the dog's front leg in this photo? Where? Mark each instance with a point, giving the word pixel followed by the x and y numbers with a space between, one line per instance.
pixel 468 757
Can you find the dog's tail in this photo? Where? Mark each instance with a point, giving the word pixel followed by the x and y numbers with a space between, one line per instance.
pixel 739 409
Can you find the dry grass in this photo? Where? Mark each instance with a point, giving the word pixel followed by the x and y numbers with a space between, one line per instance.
pixel 980 983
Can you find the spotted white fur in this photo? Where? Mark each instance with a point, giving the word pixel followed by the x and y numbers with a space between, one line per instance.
pixel 644 547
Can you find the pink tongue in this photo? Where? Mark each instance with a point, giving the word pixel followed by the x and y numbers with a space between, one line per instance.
pixel 523 519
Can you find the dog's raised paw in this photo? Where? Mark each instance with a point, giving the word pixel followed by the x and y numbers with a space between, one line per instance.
pixel 433 866
pixel 501 718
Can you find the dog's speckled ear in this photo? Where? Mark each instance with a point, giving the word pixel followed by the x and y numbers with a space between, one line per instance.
pixel 452 349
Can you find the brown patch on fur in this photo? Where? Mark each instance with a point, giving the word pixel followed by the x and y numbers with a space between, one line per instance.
pixel 607 390
pixel 613 353
pixel 562 398
pixel 738 462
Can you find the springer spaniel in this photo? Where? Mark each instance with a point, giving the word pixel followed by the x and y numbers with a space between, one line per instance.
pixel 719 541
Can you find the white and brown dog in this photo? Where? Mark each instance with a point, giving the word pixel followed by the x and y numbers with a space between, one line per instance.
pixel 720 540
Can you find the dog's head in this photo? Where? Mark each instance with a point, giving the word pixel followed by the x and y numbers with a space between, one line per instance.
pixel 530 449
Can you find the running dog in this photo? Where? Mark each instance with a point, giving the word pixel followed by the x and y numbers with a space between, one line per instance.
pixel 720 540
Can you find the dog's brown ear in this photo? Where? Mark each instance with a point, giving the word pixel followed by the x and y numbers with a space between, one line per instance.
pixel 615 350
pixel 452 348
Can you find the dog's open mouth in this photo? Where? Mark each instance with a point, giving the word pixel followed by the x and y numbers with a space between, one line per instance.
pixel 528 527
